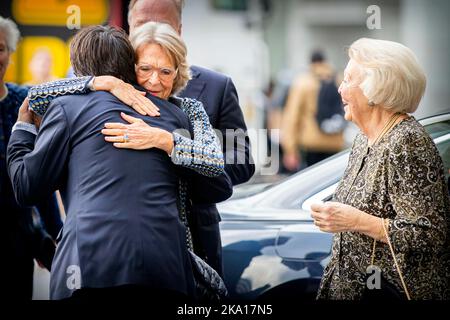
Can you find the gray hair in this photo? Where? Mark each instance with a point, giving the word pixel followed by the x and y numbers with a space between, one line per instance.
pixel 391 74
pixel 12 34
pixel 164 35
pixel 179 4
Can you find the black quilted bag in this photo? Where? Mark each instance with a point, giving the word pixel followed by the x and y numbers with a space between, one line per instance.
pixel 209 285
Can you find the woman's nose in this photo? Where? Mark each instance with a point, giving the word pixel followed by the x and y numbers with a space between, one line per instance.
pixel 154 78
pixel 340 89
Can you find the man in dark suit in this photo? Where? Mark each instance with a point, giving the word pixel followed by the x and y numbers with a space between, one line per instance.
pixel 219 97
pixel 22 237
pixel 122 227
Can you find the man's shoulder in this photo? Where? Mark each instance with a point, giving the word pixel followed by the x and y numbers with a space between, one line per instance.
pixel 17 90
pixel 208 74
pixel 95 96
pixel 86 105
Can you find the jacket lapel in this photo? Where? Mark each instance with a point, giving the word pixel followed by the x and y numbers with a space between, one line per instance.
pixel 194 87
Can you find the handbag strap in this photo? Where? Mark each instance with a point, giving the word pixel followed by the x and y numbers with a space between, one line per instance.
pixel 393 256
pixel 395 259
pixel 182 210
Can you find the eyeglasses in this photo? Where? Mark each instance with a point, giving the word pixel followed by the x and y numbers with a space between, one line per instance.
pixel 164 74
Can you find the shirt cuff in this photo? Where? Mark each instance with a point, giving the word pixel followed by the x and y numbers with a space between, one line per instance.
pixel 20 125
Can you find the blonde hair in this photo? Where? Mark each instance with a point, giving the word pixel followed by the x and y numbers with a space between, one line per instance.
pixel 12 34
pixel 391 74
pixel 164 35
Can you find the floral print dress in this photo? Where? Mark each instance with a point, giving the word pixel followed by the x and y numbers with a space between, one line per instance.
pixel 400 178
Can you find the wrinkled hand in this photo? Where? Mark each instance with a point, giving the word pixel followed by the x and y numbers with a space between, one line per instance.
pixel 140 135
pixel 335 217
pixel 25 114
pixel 126 93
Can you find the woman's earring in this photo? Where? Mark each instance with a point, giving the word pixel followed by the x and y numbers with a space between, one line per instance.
pixel 371 103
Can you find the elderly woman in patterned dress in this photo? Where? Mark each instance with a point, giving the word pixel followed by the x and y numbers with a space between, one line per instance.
pixel 391 208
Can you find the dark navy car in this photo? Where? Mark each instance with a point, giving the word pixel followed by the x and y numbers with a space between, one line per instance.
pixel 271 247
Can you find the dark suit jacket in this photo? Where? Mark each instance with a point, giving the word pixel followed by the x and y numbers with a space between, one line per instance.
pixel 219 97
pixel 122 224
pixel 20 239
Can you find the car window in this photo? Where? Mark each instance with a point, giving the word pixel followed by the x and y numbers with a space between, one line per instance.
pixel 293 191
pixel 318 182
pixel 438 129
pixel 443 145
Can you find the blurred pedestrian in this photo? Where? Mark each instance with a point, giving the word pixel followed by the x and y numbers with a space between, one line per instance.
pixel 303 140
pixel 41 67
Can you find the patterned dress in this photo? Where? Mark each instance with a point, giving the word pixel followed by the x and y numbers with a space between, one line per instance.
pixel 400 178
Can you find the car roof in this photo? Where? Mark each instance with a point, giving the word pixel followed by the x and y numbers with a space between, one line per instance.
pixel 293 191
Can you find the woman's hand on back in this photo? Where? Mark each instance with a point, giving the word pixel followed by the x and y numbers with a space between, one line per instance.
pixel 137 135
pixel 126 93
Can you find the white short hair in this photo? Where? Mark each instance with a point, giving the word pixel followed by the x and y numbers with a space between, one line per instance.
pixel 11 32
pixel 391 74
pixel 164 35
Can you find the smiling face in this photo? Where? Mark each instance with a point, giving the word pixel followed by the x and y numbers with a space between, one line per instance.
pixel 153 68
pixel 353 98
pixel 4 55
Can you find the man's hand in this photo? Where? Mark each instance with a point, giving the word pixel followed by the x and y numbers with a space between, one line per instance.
pixel 37 120
pixel 25 114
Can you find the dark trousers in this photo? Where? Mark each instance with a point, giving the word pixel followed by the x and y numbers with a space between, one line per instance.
pixel 18 279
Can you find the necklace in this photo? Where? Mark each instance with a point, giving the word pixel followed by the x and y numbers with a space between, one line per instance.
pixel 388 126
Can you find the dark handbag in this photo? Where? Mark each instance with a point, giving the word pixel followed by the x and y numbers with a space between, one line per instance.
pixel 209 286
